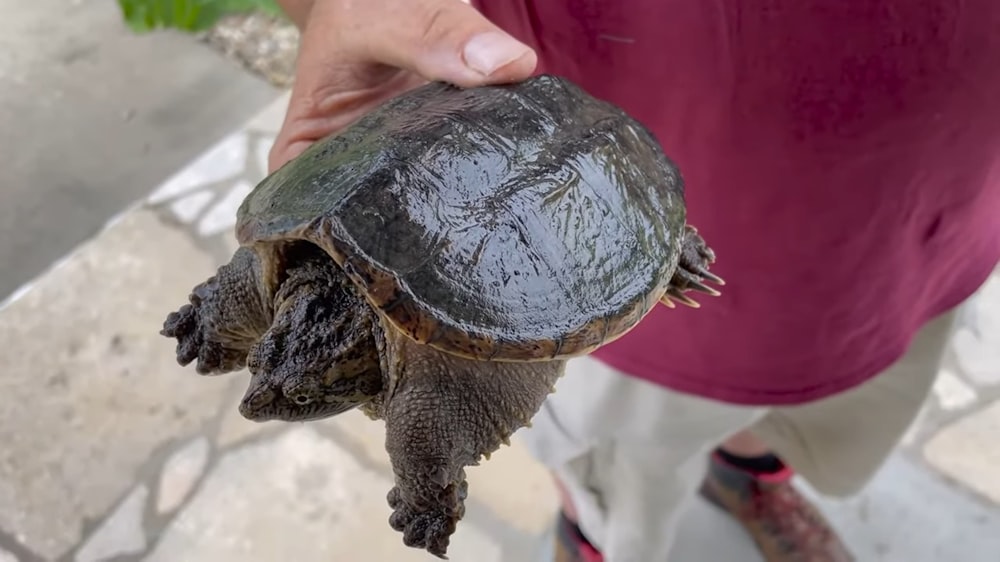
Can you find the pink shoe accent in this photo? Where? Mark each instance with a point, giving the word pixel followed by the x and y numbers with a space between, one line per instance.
pixel 589 554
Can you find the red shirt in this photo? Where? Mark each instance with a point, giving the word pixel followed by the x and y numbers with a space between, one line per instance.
pixel 842 158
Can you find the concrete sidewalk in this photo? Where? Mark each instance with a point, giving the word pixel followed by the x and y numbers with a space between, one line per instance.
pixel 92 115
pixel 113 452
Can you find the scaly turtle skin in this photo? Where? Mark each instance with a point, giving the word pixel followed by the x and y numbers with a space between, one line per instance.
pixel 436 264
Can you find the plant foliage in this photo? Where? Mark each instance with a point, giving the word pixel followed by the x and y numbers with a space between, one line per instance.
pixel 187 15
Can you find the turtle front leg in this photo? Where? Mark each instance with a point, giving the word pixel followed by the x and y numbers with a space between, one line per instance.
pixel 692 271
pixel 443 413
pixel 227 314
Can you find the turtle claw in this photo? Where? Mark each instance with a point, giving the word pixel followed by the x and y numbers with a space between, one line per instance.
pixel 692 272
pixel 429 528
pixel 705 274
pixel 701 288
pixel 188 327
pixel 677 295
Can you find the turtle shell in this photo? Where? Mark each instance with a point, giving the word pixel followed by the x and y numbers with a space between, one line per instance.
pixel 514 223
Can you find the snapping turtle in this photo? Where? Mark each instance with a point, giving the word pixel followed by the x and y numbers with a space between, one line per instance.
pixel 436 264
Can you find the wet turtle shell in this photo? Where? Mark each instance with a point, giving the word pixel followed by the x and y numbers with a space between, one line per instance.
pixel 514 223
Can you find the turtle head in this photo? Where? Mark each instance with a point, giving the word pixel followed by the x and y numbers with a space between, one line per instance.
pixel 305 396
pixel 319 357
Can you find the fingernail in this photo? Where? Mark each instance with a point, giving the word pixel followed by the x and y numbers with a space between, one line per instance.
pixel 487 52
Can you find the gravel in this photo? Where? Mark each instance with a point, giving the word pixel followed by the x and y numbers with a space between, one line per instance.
pixel 264 45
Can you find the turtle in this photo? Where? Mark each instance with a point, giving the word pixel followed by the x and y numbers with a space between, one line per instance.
pixel 436 264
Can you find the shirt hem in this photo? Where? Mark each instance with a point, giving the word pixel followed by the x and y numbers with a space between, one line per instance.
pixel 788 396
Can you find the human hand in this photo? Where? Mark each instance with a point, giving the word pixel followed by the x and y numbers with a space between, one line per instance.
pixel 354 54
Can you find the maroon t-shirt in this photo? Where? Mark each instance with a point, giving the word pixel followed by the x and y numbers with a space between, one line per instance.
pixel 842 158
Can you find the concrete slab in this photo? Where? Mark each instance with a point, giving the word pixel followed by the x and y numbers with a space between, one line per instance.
pixel 269 120
pixel 121 534
pixel 969 452
pixel 94 117
pixel 298 497
pixel 90 393
pixel 516 487
pixel 909 513
pixel 181 473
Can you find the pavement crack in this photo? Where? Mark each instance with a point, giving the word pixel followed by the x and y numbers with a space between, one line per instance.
pixel 10 543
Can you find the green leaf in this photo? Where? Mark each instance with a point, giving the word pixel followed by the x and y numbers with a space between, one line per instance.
pixel 187 15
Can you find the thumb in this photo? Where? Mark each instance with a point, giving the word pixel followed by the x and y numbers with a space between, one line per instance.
pixel 445 40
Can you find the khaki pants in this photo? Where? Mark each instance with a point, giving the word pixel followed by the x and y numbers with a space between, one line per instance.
pixel 631 454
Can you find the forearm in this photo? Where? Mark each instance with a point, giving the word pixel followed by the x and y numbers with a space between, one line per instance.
pixel 297 10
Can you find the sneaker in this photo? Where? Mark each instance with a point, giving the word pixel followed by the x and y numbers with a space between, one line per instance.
pixel 785 525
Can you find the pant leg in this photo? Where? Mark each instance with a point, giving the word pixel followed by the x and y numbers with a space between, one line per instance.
pixel 629 453
pixel 838 444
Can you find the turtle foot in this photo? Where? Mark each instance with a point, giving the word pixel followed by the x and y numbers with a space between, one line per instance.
pixel 692 272
pixel 444 413
pixel 186 326
pixel 429 527
pixel 226 315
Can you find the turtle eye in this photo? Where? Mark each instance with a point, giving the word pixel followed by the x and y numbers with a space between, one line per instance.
pixel 299 398
pixel 300 393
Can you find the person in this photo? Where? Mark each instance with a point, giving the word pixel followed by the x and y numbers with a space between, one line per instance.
pixel 841 158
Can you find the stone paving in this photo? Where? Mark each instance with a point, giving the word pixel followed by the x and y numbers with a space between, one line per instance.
pixel 111 451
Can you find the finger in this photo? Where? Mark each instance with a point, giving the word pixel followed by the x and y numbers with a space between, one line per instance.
pixel 322 104
pixel 445 40
pixel 282 153
pixel 357 53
